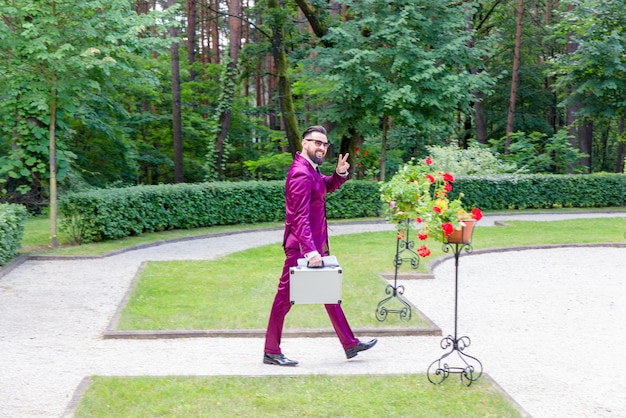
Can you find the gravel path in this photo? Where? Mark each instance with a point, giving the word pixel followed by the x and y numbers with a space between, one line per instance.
pixel 546 327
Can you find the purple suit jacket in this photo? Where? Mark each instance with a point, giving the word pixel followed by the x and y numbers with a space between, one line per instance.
pixel 305 205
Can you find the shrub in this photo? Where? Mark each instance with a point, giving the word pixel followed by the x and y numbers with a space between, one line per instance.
pixel 542 191
pixel 476 159
pixel 12 218
pixel 116 213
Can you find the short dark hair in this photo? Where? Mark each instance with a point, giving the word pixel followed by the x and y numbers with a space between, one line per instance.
pixel 316 128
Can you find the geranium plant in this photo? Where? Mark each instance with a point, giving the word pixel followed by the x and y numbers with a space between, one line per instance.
pixel 417 196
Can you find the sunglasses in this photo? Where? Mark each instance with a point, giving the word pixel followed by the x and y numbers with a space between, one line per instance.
pixel 319 143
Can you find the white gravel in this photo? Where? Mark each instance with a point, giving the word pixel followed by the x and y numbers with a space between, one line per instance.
pixel 547 325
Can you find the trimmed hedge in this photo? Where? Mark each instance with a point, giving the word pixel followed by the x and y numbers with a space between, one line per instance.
pixel 12 218
pixel 117 213
pixel 542 191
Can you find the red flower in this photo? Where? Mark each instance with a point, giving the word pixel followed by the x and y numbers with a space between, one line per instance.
pixel 448 187
pixel 430 178
pixel 419 220
pixel 423 251
pixel 437 209
pixel 357 149
pixel 448 177
pixel 447 229
pixel 477 214
pixel 422 236
pixel 428 160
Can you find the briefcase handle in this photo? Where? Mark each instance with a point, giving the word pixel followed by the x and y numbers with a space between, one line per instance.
pixel 327 261
pixel 315 267
pixel 333 265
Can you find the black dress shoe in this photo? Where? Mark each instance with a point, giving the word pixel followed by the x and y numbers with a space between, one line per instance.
pixel 353 351
pixel 278 360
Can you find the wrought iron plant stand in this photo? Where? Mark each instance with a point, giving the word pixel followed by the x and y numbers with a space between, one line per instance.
pixel 469 367
pixel 405 252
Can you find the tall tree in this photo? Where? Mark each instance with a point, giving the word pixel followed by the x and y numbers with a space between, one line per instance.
pixel 192 23
pixel 230 83
pixel 278 21
pixel 591 75
pixel 515 75
pixel 177 118
pixel 479 25
pixel 53 55
pixel 405 64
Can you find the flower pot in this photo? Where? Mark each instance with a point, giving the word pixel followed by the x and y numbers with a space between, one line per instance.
pixel 463 235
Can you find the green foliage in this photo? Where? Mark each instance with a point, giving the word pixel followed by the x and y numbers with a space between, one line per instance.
pixel 12 218
pixel 538 153
pixel 475 159
pixel 593 77
pixel 63 55
pixel 408 60
pixel 534 102
pixel 270 167
pixel 537 191
pixel 116 213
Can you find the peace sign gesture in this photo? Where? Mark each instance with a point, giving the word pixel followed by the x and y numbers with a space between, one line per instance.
pixel 342 164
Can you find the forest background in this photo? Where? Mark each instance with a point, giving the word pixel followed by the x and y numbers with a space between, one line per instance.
pixel 115 93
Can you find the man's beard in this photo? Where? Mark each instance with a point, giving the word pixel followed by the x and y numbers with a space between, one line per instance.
pixel 317 160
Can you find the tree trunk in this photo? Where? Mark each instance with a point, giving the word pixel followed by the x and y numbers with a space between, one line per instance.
pixel 54 243
pixel 192 22
pixel 215 32
pixel 576 133
pixel 585 140
pixel 621 149
pixel 348 145
pixel 515 76
pixel 177 126
pixel 285 98
pixel 552 119
pixel 479 119
pixel 234 25
pixel 383 148
pixel 319 29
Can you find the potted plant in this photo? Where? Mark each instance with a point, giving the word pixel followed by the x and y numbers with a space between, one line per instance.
pixel 417 197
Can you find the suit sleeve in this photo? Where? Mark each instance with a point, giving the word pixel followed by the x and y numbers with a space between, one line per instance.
pixel 334 182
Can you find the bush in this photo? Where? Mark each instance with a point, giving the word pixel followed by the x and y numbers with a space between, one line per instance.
pixel 355 199
pixel 116 213
pixel 476 159
pixel 12 218
pixel 542 191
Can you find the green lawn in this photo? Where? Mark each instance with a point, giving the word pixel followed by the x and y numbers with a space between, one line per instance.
pixel 302 396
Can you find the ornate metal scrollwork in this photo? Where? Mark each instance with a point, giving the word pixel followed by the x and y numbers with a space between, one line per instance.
pixel 405 252
pixel 468 367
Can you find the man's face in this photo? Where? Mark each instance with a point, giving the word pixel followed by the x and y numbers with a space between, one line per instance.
pixel 314 147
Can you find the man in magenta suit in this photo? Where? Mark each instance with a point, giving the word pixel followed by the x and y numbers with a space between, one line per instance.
pixel 306 236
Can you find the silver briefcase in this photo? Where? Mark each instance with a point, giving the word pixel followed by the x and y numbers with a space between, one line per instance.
pixel 315 285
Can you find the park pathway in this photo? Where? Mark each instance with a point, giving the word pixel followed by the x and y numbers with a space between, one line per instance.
pixel 547 324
